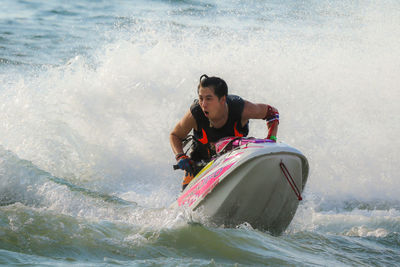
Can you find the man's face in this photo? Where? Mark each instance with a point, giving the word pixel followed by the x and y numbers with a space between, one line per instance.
pixel 209 102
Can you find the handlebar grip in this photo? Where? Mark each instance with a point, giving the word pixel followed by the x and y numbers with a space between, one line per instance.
pixel 176 167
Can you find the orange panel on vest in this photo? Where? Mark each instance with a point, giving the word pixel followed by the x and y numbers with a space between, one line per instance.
pixel 236 131
pixel 204 139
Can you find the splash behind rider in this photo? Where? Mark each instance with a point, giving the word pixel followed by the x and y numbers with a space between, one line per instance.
pixel 215 115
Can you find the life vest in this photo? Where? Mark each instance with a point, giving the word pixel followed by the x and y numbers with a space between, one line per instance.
pixel 207 135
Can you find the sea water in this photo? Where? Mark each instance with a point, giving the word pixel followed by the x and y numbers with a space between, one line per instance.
pixel 91 89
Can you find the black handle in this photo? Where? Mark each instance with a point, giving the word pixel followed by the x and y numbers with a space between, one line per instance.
pixel 176 167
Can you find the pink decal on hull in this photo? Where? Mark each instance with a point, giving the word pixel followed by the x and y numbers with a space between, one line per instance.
pixel 231 157
pixel 203 187
pixel 246 147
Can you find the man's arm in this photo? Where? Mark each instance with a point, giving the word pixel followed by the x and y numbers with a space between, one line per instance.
pixel 181 130
pixel 262 111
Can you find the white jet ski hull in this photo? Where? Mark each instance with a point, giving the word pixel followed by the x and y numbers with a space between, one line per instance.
pixel 248 184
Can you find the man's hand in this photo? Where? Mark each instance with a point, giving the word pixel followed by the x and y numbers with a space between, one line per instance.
pixel 185 163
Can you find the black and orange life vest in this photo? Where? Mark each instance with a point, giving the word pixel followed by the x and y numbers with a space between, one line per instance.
pixel 206 134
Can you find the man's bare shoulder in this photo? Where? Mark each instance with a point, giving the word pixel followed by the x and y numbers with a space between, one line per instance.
pixel 253 110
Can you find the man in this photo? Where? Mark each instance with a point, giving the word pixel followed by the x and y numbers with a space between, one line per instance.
pixel 215 115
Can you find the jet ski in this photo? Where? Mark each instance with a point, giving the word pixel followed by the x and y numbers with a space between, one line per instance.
pixel 250 180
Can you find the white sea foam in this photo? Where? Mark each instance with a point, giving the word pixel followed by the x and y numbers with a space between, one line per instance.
pixel 363 231
pixel 351 219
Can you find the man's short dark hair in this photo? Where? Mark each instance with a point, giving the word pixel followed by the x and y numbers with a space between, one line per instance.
pixel 220 87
